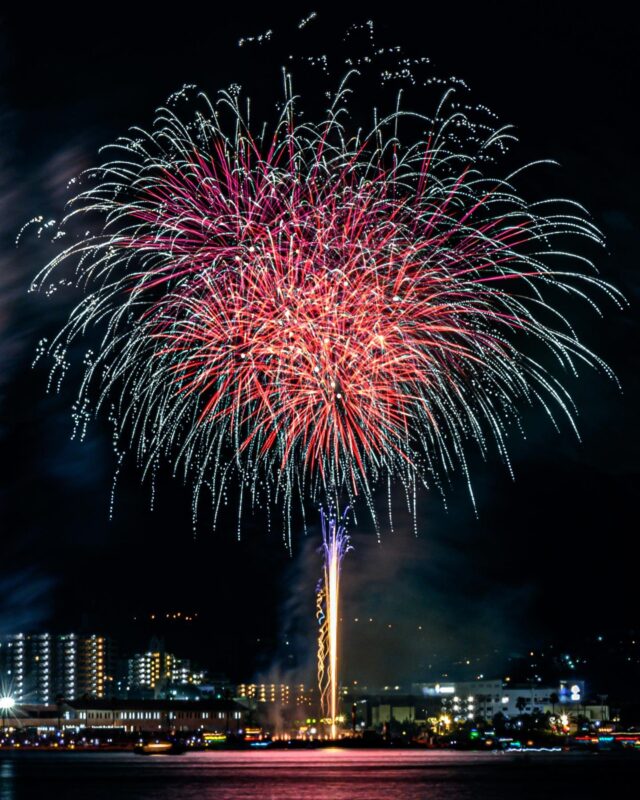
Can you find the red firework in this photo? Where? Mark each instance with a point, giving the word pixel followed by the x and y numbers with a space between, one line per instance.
pixel 317 310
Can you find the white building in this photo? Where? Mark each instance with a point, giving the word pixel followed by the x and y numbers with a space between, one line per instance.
pixel 41 667
pixel 486 698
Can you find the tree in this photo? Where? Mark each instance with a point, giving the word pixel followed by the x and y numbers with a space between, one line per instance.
pixel 499 722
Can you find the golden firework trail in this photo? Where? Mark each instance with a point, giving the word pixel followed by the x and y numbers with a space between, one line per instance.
pixel 335 543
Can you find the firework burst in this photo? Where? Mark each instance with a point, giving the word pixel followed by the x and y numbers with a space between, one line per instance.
pixel 311 310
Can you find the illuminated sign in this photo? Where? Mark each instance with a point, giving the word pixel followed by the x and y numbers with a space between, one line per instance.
pixel 214 737
pixel 438 689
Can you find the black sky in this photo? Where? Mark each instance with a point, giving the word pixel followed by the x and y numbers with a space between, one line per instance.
pixel 550 555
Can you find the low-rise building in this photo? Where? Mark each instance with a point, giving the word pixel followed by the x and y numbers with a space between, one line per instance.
pixel 39 717
pixel 485 698
pixel 211 716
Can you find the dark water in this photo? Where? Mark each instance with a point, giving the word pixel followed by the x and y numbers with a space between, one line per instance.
pixel 321 774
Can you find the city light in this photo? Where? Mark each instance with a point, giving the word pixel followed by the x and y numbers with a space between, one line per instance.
pixel 6 707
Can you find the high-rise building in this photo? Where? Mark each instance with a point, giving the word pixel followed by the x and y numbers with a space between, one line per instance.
pixel 148 670
pixel 40 667
pixel 157 670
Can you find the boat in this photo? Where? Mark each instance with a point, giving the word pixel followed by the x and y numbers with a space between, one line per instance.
pixel 157 747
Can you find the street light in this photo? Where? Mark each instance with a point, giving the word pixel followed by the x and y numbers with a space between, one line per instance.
pixel 6 706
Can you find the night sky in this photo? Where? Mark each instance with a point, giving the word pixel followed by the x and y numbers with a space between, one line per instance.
pixel 549 556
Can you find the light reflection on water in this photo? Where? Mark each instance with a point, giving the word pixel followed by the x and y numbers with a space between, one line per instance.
pixel 6 780
pixel 304 775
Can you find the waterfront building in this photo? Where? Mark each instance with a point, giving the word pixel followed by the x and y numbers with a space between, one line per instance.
pixel 131 716
pixel 485 698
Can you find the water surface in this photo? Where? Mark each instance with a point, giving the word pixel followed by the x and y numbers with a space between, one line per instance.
pixel 317 774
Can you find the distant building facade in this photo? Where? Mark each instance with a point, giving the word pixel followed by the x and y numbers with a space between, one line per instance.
pixel 42 667
pixel 464 701
pixel 158 670
pixel 132 716
pixel 283 694
pixel 486 698
pixel 210 716
pixel 403 710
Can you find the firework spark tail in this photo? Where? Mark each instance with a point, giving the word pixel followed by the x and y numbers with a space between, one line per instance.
pixel 335 544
